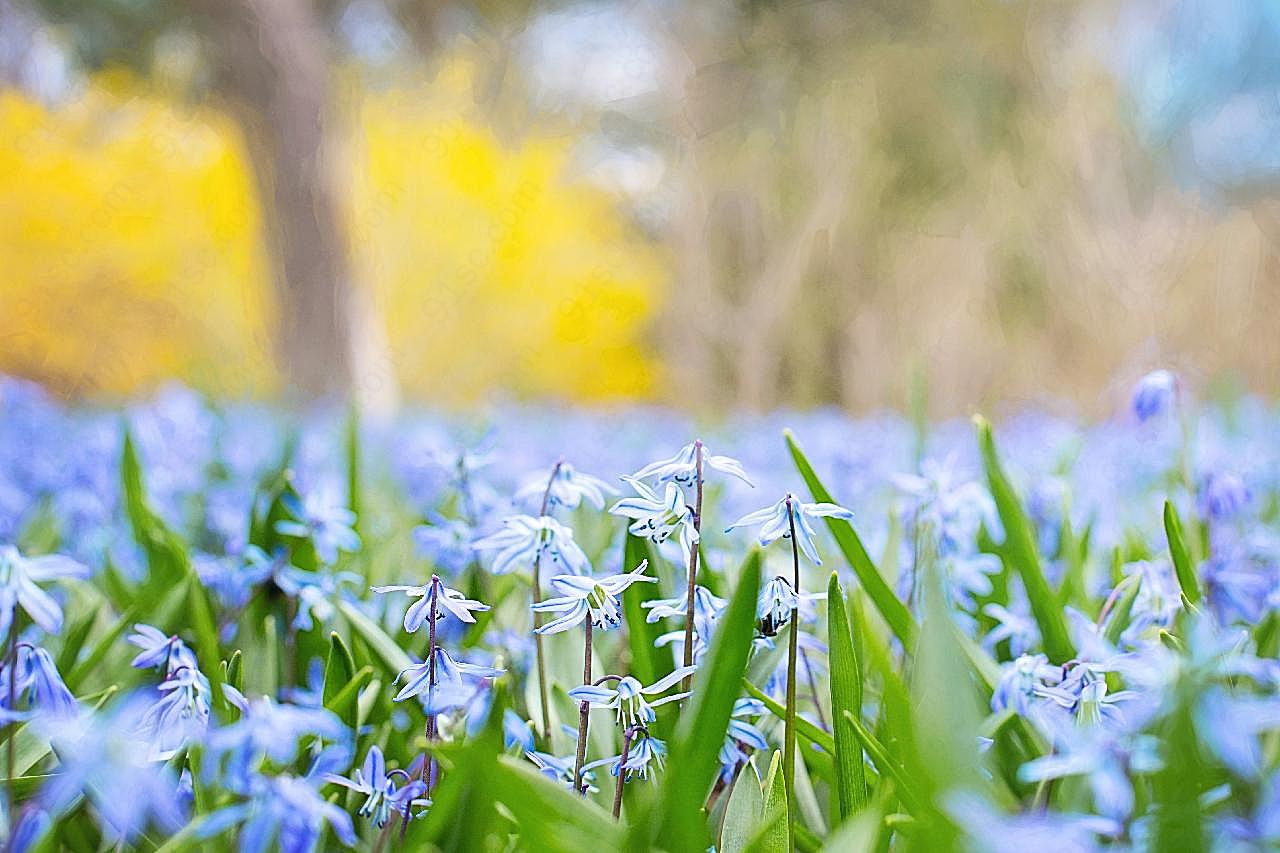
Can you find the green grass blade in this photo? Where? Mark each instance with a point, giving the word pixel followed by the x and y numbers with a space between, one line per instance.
pixel 744 812
pixel 383 647
pixel 895 613
pixel 773 835
pixel 1182 565
pixel 1020 549
pixel 846 695
pixel 807 730
pixel 703 721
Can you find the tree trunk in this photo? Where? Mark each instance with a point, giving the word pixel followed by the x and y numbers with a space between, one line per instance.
pixel 271 58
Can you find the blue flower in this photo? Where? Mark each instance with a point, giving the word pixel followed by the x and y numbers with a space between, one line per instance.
pixel 314 592
pixel 104 759
pixel 1105 760
pixel 682 468
pixel 516 732
pixel 1155 393
pixel 159 650
pixel 382 795
pixel 523 540
pixel 560 769
pixel 1020 683
pixel 569 487
pixel 434 594
pixel 1221 496
pixel 285 813
pixel 266 730
pixel 776 522
pixel 776 602
pixel 628 698
pixel 450 690
pixel 581 597
pixel 656 518
pixel 446 542
pixel 18 578
pixel 319 518
pixel 38 675
pixel 706 609
pixel 180 715
pixel 741 733
pixel 644 751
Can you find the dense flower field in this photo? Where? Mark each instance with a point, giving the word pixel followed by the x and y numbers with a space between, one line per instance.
pixel 230 628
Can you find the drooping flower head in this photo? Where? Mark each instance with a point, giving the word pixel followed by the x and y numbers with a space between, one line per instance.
pixel 582 597
pixel 434 594
pixel 322 519
pixel 567 487
pixel 628 698
pixel 656 518
pixel 524 539
pixel 382 795
pixel 682 468
pixel 777 521
pixel 1155 393
pixel 19 577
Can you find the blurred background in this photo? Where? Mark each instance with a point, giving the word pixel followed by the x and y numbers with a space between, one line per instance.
pixel 725 205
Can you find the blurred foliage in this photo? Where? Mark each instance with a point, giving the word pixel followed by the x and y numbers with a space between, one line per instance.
pixel 131 250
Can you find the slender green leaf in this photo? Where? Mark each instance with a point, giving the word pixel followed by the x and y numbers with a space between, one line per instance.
pixel 700 732
pixel 774 836
pixel 908 790
pixel 339 669
pixel 895 613
pixel 1122 609
pixel 745 810
pixel 1183 568
pixel 846 695
pixel 383 647
pixel 807 730
pixel 1021 550
pixel 344 701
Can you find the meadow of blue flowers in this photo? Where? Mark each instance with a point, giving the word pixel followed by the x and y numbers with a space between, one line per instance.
pixel 236 628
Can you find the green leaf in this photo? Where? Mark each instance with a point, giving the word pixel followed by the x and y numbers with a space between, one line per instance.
pixel 908 790
pixel 200 613
pixel 344 701
pixel 895 613
pixel 383 647
pixel 351 440
pixel 700 732
pixel 339 669
pixel 846 695
pixel 235 670
pixel 1182 565
pixel 640 634
pixel 1021 552
pixel 807 730
pixel 74 638
pixel 774 836
pixel 548 815
pixel 1122 609
pixel 167 559
pixel 743 815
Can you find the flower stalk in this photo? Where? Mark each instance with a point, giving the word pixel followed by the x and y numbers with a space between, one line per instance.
pixel 693 562
pixel 584 715
pixel 793 646
pixel 537 616
pixel 627 734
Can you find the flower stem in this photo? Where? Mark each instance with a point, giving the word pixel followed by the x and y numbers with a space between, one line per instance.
pixel 428 760
pixel 793 646
pixel 13 698
pixel 537 617
pixel 693 563
pixel 584 713
pixel 627 734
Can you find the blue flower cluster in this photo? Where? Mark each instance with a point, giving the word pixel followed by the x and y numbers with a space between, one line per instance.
pixel 232 628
